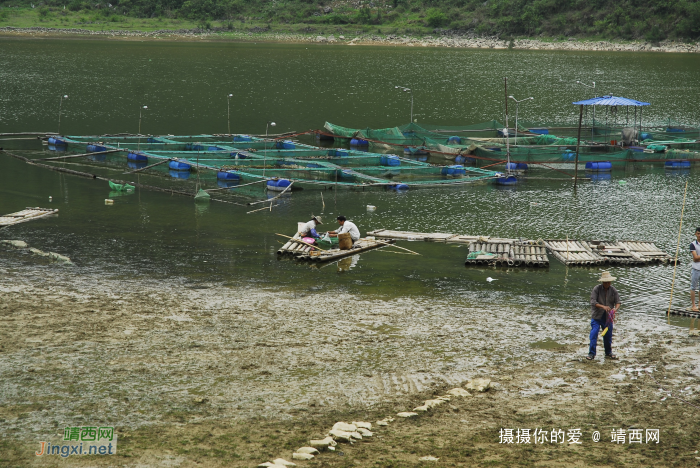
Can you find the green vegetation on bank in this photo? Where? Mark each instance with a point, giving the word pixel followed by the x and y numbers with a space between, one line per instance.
pixel 651 20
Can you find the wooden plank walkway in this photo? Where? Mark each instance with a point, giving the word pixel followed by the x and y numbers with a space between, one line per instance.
pixel 574 252
pixel 507 252
pixel 28 214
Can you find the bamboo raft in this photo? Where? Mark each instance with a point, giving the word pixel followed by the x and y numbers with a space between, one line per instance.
pixel 28 214
pixel 685 312
pixel 300 250
pixel 508 252
pixel 431 237
pixel 573 252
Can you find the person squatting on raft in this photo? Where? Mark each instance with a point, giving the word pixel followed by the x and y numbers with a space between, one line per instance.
pixel 604 298
pixel 309 229
pixel 695 269
pixel 346 227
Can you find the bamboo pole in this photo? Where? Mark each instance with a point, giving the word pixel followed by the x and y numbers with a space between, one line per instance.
pixel 302 242
pixel 578 145
pixel 394 245
pixel 678 246
pixel 52 158
pixel 273 198
pixel 150 166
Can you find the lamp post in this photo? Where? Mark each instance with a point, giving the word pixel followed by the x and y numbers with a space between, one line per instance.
pixel 270 123
pixel 60 104
pixel 517 104
pixel 408 90
pixel 228 113
pixel 141 108
pixel 596 95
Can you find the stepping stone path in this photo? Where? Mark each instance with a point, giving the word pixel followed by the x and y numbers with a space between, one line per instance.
pixel 357 430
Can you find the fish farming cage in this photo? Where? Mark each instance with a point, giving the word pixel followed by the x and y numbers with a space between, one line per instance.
pixel 242 160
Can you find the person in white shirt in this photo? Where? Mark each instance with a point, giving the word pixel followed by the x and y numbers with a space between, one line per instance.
pixel 695 269
pixel 309 229
pixel 346 226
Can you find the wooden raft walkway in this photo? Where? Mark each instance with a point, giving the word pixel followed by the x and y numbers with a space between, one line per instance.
pixel 684 312
pixel 574 252
pixel 28 214
pixel 486 250
pixel 300 250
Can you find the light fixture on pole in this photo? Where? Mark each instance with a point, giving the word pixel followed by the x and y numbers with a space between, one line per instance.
pixel 517 104
pixel 596 95
pixel 60 104
pixel 141 109
pixel 408 90
pixel 267 127
pixel 228 113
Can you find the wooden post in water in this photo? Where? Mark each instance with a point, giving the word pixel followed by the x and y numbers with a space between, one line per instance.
pixel 578 146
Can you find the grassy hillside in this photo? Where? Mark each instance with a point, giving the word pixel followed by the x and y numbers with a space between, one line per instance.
pixel 651 20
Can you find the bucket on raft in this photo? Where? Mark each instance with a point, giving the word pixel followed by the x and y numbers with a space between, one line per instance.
pixel 344 241
pixel 278 185
pixel 179 166
pixel 599 166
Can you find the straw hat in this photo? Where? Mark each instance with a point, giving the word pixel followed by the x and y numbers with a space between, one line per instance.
pixel 317 218
pixel 606 277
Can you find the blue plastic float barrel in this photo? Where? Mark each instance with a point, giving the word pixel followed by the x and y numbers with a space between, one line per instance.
pixel 214 148
pixel 338 153
pixel 454 140
pixel 314 166
pixel 285 145
pixel 509 180
pixel 599 166
pixel 390 160
pixel 95 148
pixel 179 166
pixel 397 187
pixel 136 157
pixel 454 170
pixel 242 139
pixel 223 175
pixel 359 142
pixel 153 140
pixel 677 164
pixel 56 141
pixel 278 185
pixel 645 136
pixel 539 131
pixel 516 166
pixel 568 156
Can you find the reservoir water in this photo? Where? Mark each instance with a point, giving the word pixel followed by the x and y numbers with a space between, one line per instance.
pixel 300 87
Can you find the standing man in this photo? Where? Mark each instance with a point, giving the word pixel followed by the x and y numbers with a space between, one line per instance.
pixel 695 270
pixel 346 227
pixel 309 229
pixel 604 298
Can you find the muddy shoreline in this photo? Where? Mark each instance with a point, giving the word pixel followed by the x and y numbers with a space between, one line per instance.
pixel 445 39
pixel 192 373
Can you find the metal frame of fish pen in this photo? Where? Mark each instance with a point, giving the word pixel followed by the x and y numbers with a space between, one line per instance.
pixel 231 157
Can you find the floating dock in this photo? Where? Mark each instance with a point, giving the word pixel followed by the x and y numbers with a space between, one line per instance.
pixel 28 214
pixel 508 252
pixel 300 250
pixel 598 252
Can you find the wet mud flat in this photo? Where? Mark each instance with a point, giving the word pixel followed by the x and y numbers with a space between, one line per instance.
pixel 208 374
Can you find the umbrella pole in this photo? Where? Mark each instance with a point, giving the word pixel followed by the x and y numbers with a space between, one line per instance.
pixel 578 145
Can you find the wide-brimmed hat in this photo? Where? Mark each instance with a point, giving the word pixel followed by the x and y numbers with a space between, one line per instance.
pixel 606 277
pixel 317 219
